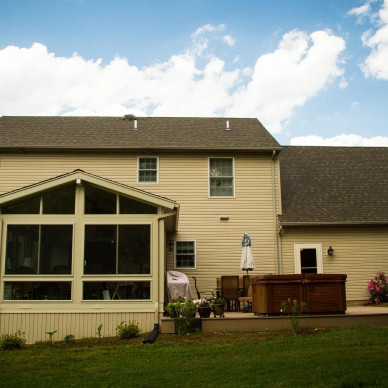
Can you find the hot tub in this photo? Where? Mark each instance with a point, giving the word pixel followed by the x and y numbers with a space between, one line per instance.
pixel 322 293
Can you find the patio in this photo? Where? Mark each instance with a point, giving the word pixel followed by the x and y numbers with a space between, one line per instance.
pixel 239 321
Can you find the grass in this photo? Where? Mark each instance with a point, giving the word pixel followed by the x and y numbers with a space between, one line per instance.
pixel 346 358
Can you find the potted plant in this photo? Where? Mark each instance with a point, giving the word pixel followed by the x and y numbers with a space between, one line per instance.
pixel 174 307
pixel 189 309
pixel 204 308
pixel 219 306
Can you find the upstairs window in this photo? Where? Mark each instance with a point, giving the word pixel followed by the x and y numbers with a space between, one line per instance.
pixel 148 170
pixel 221 181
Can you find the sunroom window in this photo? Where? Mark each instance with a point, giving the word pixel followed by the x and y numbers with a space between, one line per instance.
pixel 117 249
pixel 116 290
pixel 39 249
pixel 60 201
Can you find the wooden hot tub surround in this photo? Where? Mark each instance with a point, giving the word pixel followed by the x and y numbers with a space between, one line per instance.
pixel 322 293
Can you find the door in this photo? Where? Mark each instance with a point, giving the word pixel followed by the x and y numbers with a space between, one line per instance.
pixel 308 258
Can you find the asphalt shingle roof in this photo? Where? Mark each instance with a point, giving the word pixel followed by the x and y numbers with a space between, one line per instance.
pixel 334 184
pixel 59 132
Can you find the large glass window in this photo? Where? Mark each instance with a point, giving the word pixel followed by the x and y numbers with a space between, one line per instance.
pixel 116 290
pixel 99 201
pixel 221 177
pixel 39 249
pixel 37 290
pixel 148 170
pixel 130 206
pixel 185 254
pixel 117 249
pixel 61 201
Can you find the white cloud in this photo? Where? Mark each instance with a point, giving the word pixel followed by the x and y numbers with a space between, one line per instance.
pixel 297 70
pixel 341 141
pixel 229 40
pixel 208 28
pixel 376 64
pixel 36 82
pixel 360 12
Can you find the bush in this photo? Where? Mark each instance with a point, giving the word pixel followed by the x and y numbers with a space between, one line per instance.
pixel 378 288
pixel 68 338
pixel 131 330
pixel 12 341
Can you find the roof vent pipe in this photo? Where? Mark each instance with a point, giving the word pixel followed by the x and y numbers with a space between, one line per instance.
pixel 135 125
pixel 227 125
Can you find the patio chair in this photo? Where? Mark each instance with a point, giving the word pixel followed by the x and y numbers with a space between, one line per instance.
pixel 230 291
pixel 247 293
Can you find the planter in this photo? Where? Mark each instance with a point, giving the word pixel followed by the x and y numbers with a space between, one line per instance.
pixel 189 313
pixel 219 309
pixel 204 312
pixel 186 325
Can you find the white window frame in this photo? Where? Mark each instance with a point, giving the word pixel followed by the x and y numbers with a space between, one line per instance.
pixel 157 169
pixel 233 178
pixel 175 254
pixel 299 246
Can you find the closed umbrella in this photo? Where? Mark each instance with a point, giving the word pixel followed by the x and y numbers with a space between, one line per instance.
pixel 247 261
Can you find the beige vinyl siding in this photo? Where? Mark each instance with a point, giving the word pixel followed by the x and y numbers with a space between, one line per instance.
pixel 359 252
pixel 35 325
pixel 183 178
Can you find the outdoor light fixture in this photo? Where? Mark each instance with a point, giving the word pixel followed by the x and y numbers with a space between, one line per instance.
pixel 78 181
pixel 330 251
pixel 170 245
pixel 224 217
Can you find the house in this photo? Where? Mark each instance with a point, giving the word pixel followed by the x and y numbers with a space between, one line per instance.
pixel 335 197
pixel 95 210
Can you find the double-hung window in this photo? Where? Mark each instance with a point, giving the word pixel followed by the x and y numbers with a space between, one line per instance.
pixel 148 170
pixel 184 254
pixel 221 180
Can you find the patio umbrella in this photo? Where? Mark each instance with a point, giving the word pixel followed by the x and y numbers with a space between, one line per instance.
pixel 247 261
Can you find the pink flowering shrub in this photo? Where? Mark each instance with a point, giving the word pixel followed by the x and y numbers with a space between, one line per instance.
pixel 378 288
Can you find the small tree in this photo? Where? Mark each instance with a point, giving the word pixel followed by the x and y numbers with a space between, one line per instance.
pixel 294 310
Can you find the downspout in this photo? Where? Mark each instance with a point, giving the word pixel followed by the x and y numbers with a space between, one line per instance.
pixel 160 277
pixel 277 266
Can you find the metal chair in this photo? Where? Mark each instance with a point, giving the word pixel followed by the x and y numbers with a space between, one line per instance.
pixel 230 291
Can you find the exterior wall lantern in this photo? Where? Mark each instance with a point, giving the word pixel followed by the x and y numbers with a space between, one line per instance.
pixel 330 251
pixel 170 245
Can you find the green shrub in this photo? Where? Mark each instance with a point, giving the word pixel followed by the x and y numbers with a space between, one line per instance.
pixel 68 338
pixel 12 341
pixel 131 330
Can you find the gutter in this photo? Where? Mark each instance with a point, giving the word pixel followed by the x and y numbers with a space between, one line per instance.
pixel 334 223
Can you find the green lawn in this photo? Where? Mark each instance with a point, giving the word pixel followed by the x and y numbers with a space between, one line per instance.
pixel 351 357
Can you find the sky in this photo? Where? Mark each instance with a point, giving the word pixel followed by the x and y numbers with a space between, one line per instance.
pixel 313 72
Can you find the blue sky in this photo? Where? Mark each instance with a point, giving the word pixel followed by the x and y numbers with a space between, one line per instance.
pixel 313 72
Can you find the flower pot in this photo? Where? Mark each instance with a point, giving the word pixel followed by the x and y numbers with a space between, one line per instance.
pixel 219 309
pixel 204 312
pixel 189 313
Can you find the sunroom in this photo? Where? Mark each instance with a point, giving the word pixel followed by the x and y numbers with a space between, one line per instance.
pixel 81 243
